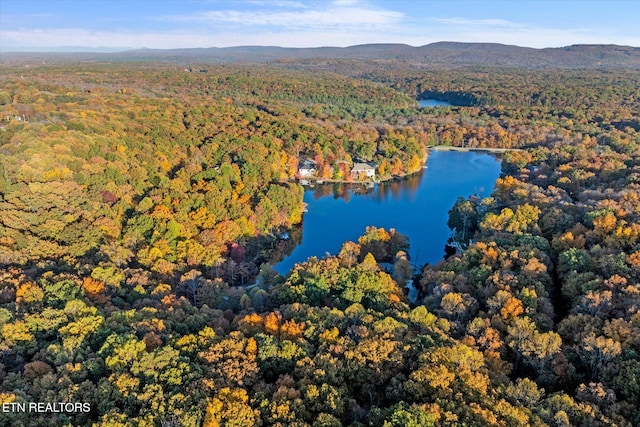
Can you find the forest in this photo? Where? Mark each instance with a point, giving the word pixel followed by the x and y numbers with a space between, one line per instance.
pixel 141 205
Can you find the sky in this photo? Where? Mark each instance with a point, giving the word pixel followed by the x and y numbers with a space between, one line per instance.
pixel 51 25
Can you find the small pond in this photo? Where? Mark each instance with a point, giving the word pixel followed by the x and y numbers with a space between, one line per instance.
pixel 433 103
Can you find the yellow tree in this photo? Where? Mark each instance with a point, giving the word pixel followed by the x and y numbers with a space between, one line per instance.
pixel 230 408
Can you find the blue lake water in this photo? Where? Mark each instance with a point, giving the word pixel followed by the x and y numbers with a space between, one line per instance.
pixel 416 207
pixel 433 103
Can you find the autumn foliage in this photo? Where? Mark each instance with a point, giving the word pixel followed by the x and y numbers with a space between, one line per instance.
pixel 141 206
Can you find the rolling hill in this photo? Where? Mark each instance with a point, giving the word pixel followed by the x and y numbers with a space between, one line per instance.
pixel 431 55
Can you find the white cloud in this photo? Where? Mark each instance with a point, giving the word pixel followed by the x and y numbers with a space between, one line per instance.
pixel 345 2
pixel 314 18
pixel 274 3
pixel 89 38
pixel 311 24
pixel 188 39
pixel 464 22
pixel 523 34
pixel 341 13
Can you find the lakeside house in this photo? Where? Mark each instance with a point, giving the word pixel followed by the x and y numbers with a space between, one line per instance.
pixel 15 118
pixel 306 168
pixel 363 170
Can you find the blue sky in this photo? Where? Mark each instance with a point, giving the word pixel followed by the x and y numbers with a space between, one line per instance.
pixel 51 24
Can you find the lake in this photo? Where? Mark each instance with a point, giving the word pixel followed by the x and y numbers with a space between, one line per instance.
pixel 416 206
pixel 433 103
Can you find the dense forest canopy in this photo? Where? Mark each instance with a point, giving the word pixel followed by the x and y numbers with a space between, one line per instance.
pixel 141 207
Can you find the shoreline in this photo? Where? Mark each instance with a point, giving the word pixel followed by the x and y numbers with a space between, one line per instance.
pixel 320 181
pixel 467 149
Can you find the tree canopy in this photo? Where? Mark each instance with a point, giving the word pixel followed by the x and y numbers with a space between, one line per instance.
pixel 140 209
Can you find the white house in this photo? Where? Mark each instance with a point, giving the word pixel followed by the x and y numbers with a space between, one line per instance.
pixel 307 168
pixel 363 169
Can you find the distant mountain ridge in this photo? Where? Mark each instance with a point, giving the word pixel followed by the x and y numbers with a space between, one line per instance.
pixel 435 54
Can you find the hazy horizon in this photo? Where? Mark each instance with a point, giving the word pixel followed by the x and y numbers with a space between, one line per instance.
pixel 100 49
pixel 106 26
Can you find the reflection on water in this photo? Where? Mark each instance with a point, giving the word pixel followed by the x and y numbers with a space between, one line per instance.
pixel 407 186
pixel 416 206
pixel 377 192
pixel 340 190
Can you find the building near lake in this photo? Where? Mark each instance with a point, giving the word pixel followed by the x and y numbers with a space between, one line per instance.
pixel 363 170
pixel 306 167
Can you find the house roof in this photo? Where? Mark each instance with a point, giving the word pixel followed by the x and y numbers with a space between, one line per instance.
pixel 362 167
pixel 306 164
